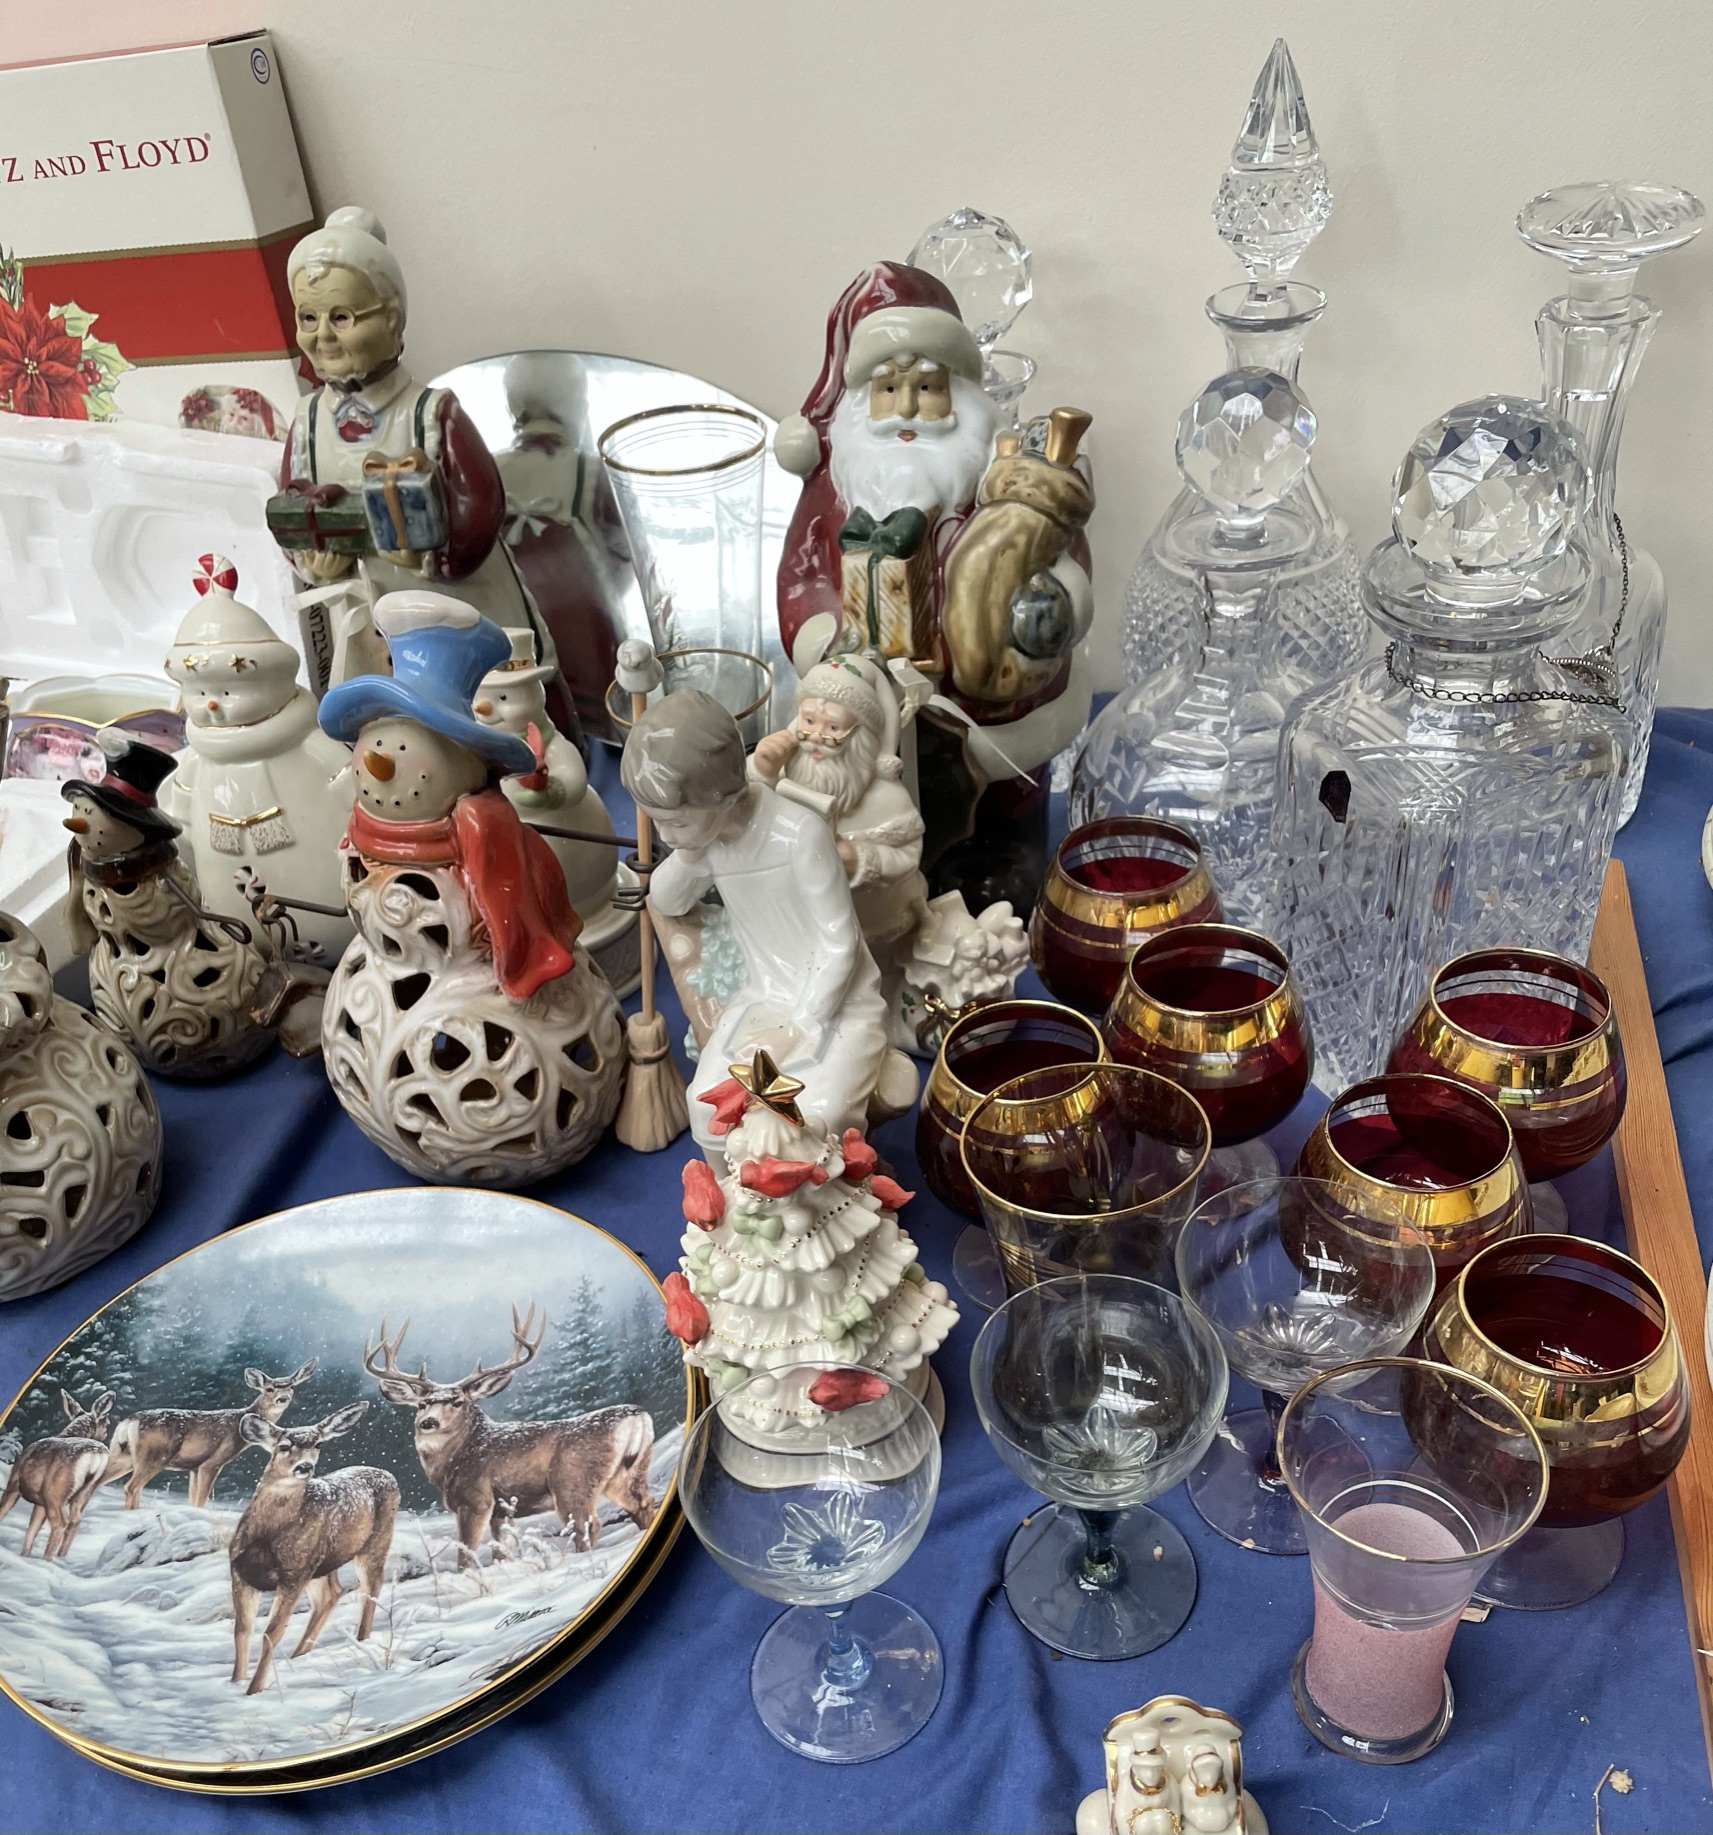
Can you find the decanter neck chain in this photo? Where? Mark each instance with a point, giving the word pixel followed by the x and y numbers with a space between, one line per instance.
pixel 1597 667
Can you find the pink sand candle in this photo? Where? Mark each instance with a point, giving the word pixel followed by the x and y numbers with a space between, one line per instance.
pixel 1375 1682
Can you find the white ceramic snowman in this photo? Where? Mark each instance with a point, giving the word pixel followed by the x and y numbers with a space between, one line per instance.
pixel 513 699
pixel 80 1134
pixel 173 983
pixel 465 1031
pixel 260 785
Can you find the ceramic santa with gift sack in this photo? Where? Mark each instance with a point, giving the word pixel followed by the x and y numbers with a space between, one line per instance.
pixel 259 785
pixel 466 1031
pixel 919 536
pixel 386 485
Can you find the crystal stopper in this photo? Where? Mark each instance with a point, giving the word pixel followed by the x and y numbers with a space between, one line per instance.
pixel 1494 486
pixel 1610 225
pixel 985 263
pixel 1244 441
pixel 1274 199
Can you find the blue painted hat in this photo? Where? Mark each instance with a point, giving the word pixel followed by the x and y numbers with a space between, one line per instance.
pixel 441 649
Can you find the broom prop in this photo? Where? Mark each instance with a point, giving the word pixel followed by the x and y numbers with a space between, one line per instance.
pixel 654 1110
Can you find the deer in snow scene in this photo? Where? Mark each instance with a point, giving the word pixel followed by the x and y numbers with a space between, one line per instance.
pixel 200 1441
pixel 58 1474
pixel 475 1462
pixel 299 1530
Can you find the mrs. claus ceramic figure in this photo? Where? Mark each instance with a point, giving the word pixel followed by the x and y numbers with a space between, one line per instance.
pixel 79 1131
pixel 917 538
pixel 465 1031
pixel 260 785
pixel 371 448
pixel 175 983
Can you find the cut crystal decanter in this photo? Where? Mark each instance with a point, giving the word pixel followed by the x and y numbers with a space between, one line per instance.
pixel 1592 339
pixel 1460 791
pixel 985 264
pixel 1272 203
pixel 1197 742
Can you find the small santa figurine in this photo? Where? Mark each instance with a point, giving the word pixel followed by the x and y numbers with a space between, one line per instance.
pixel 371 428
pixel 896 443
pixel 465 1032
pixel 259 784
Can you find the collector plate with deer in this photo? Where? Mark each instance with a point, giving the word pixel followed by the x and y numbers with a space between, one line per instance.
pixel 330 1477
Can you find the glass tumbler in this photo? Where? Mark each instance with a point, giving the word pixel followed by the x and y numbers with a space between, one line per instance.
pixel 1411 1479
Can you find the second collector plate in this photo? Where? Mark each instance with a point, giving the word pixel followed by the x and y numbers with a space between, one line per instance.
pixel 416 1522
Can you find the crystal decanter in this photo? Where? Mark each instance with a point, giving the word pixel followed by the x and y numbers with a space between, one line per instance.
pixel 984 263
pixel 1592 339
pixel 1197 742
pixel 1460 791
pixel 1272 203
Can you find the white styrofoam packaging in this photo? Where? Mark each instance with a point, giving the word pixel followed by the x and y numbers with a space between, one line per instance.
pixel 159 190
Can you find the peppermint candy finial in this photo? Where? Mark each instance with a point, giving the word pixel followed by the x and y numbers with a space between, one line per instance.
pixel 214 570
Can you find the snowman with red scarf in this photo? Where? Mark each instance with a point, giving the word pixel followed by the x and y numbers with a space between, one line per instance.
pixel 466 1032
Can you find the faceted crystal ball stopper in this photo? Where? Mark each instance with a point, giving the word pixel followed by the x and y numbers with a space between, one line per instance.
pixel 1244 441
pixel 985 263
pixel 1608 224
pixel 1494 487
pixel 1274 199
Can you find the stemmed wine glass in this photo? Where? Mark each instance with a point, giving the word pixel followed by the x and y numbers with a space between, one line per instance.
pixel 811 1484
pixel 1102 1392
pixel 1215 1009
pixel 1579 1337
pixel 1294 1283
pixel 1537 1033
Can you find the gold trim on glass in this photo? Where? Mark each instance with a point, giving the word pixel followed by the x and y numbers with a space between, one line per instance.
pixel 1065 900
pixel 685 471
pixel 954 1098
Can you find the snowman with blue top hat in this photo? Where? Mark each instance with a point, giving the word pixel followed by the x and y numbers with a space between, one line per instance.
pixel 466 1031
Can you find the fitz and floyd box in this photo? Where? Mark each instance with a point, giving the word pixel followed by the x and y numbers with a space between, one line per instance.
pixel 148 201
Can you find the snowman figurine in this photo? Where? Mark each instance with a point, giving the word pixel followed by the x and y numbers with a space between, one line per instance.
pixel 174 981
pixel 513 699
pixel 262 784
pixel 465 1031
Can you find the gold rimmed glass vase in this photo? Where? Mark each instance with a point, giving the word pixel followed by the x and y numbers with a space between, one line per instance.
pixel 1579 1337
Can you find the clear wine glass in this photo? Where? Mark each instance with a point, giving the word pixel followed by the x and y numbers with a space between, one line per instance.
pixel 1294 1282
pixel 811 1484
pixel 1102 1392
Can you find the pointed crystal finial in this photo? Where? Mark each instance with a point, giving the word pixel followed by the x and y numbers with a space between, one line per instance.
pixel 1244 441
pixel 1274 199
pixel 985 263
pixel 1608 224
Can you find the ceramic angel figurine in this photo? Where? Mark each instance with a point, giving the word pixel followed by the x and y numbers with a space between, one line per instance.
pixel 385 484
pixel 810 992
pixel 513 699
pixel 465 1031
pixel 840 758
pixel 793 1254
pixel 1172 1766
pixel 918 536
pixel 173 980
pixel 260 784
pixel 81 1132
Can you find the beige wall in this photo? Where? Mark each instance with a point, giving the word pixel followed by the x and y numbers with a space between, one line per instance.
pixel 693 181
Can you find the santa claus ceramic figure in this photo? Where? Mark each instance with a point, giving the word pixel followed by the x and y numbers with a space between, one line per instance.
pixel 808 992
pixel 260 785
pixel 916 538
pixel 465 1032
pixel 385 483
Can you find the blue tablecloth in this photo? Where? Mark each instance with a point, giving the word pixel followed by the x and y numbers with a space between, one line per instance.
pixel 655 1729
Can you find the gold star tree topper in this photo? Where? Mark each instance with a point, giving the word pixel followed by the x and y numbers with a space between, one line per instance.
pixel 768 1085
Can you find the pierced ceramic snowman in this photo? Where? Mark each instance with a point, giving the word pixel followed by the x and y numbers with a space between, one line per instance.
pixel 175 983
pixel 465 1031
pixel 261 784
pixel 513 699
pixel 80 1136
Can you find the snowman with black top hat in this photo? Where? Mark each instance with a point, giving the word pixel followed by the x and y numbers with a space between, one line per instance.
pixel 466 1031
pixel 176 982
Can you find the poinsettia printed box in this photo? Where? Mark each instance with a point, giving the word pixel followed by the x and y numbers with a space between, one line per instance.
pixel 148 200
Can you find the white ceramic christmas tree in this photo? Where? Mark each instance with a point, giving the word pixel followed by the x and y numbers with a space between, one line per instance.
pixel 795 1256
